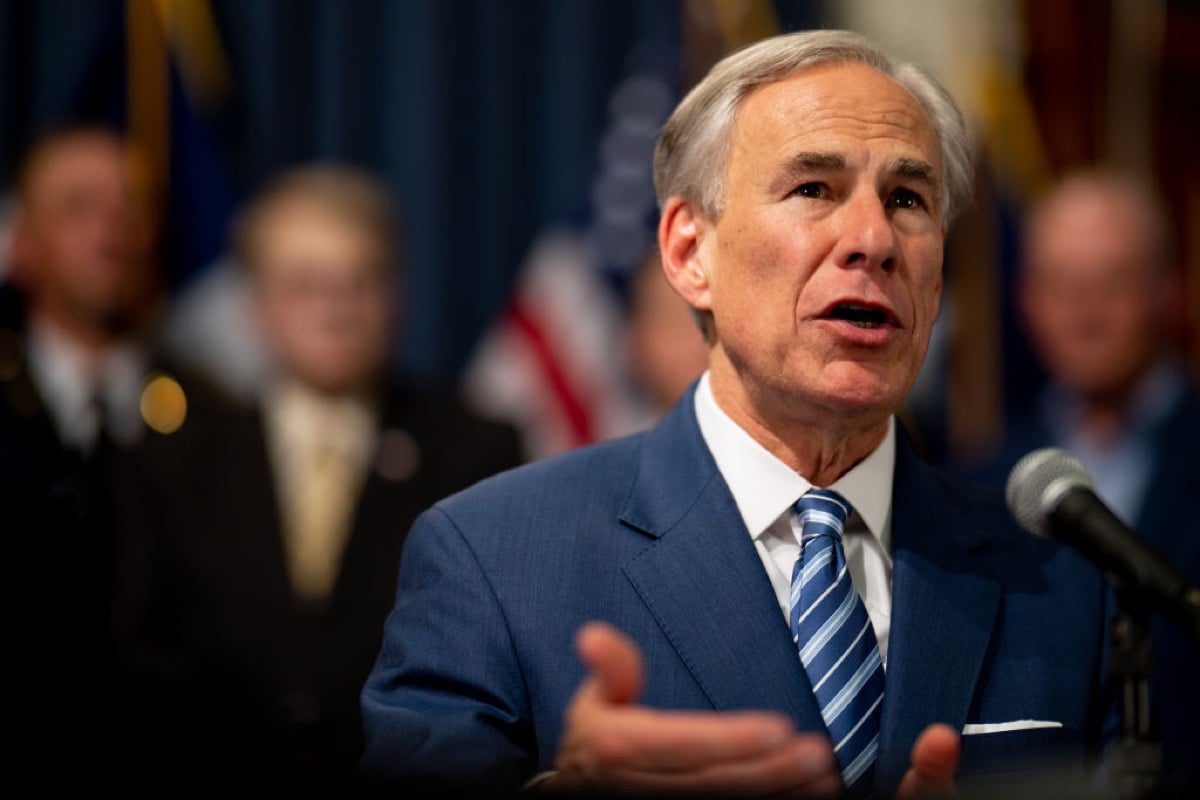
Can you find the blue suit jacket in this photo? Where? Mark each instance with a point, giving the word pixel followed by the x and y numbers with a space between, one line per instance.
pixel 989 624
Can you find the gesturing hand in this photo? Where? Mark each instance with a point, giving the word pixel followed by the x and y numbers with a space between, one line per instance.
pixel 611 742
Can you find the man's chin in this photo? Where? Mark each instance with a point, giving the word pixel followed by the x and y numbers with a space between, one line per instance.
pixel 336 383
pixel 864 385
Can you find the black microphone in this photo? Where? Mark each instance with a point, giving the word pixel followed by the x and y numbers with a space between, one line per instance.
pixel 1049 493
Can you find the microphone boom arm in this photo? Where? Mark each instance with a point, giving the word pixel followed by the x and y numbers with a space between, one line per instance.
pixel 1127 563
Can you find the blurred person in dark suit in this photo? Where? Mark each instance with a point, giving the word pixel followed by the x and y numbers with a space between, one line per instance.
pixel 83 255
pixel 78 380
pixel 257 551
pixel 1099 293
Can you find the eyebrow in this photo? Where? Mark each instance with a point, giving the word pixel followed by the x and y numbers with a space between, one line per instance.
pixel 915 169
pixel 801 163
pixel 804 163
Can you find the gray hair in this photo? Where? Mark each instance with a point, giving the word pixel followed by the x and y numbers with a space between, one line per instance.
pixel 693 150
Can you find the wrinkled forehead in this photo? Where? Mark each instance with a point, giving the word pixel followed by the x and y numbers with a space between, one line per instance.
pixel 803 109
pixel 835 105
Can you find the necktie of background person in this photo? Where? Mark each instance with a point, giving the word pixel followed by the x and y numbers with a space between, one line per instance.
pixel 319 517
pixel 836 642
pixel 100 411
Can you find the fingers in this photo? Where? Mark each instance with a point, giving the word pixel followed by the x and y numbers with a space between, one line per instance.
pixel 934 760
pixel 642 739
pixel 802 766
pixel 614 661
pixel 935 753
pixel 611 742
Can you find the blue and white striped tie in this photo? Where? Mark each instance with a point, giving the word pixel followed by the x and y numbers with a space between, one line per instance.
pixel 837 644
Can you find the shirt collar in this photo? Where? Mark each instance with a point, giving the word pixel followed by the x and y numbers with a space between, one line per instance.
pixel 1156 395
pixel 63 369
pixel 304 418
pixel 764 488
pixel 70 378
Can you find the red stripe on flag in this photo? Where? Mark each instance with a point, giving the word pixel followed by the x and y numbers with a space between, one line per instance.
pixel 573 408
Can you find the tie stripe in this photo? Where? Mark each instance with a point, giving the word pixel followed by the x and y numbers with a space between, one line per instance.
pixel 819 562
pixel 828 630
pixel 816 603
pixel 850 691
pixel 817 686
pixel 866 759
pixel 835 640
pixel 858 725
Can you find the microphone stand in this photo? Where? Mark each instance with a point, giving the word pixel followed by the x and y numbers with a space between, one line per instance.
pixel 1136 759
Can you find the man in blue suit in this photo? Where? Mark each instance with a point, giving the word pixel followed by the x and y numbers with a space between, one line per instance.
pixel 806 185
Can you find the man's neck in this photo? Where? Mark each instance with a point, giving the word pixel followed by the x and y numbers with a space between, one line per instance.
pixel 292 390
pixel 1102 418
pixel 816 449
pixel 1109 415
pixel 1104 415
pixel 94 338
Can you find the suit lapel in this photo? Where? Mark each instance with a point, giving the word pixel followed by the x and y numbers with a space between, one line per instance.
pixel 943 613
pixel 705 585
pixel 703 580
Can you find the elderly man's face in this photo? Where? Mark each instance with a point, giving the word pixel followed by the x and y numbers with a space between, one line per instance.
pixel 323 297
pixel 824 270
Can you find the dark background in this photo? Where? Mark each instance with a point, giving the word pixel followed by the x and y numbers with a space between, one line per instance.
pixel 485 117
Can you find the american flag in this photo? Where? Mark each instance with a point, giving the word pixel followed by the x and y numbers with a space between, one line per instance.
pixel 552 363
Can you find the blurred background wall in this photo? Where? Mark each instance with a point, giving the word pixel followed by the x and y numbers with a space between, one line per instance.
pixel 518 132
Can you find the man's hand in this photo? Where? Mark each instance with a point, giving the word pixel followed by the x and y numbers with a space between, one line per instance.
pixel 934 759
pixel 610 742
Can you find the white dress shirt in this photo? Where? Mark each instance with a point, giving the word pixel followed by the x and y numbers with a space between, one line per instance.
pixel 71 379
pixel 764 489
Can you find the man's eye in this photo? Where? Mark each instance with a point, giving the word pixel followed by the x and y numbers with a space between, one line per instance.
pixel 906 198
pixel 813 190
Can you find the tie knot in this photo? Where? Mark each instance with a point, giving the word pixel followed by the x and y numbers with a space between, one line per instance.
pixel 822 511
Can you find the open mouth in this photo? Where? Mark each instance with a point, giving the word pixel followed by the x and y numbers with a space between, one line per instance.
pixel 860 315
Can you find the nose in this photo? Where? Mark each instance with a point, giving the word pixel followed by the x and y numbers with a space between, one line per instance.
pixel 867 238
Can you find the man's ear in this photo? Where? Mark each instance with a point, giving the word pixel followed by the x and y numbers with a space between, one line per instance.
pixel 680 233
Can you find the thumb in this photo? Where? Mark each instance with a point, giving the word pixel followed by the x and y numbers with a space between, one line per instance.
pixel 614 661
pixel 934 760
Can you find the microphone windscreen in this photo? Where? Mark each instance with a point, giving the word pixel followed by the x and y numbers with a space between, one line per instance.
pixel 1038 481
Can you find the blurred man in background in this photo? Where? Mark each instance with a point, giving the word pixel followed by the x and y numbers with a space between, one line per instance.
pixel 257 551
pixel 83 252
pixel 1100 296
pixel 74 360
pixel 76 356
